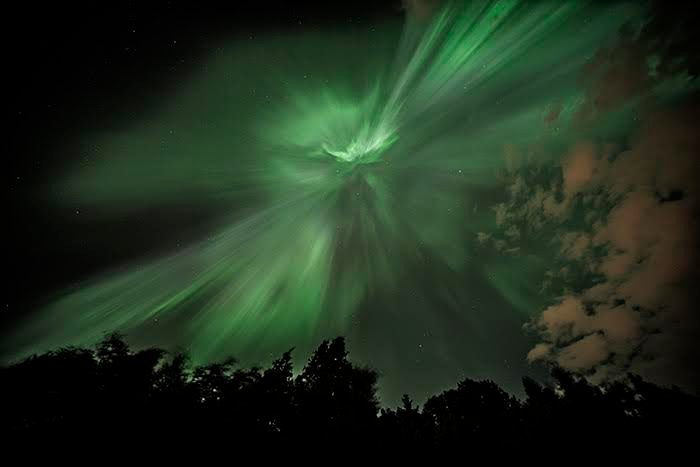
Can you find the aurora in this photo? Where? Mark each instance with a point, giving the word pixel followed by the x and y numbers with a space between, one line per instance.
pixel 352 172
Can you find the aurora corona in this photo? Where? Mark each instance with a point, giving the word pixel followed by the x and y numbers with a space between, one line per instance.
pixel 346 163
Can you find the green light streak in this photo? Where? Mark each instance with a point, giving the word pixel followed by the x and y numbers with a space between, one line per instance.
pixel 352 176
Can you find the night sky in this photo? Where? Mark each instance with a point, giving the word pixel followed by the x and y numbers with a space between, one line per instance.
pixel 462 189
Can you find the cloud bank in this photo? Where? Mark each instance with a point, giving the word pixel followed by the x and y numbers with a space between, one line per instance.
pixel 619 215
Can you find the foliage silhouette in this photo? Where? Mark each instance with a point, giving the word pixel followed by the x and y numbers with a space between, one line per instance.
pixel 113 391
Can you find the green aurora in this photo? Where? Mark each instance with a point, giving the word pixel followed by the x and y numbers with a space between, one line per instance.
pixel 356 168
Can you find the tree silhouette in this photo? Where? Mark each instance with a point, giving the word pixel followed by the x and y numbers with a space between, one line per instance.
pixel 113 393
pixel 478 412
pixel 335 398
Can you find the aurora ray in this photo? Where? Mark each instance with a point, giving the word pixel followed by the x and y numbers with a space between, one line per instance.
pixel 346 176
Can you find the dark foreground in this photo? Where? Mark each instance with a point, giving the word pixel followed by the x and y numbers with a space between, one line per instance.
pixel 112 393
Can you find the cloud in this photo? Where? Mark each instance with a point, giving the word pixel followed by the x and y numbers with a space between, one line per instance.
pixel 622 215
pixel 584 353
pixel 539 352
pixel 574 245
pixel 421 9
pixel 579 167
pixel 482 237
pixel 640 315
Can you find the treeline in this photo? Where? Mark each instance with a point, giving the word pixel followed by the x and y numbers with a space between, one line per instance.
pixel 113 391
